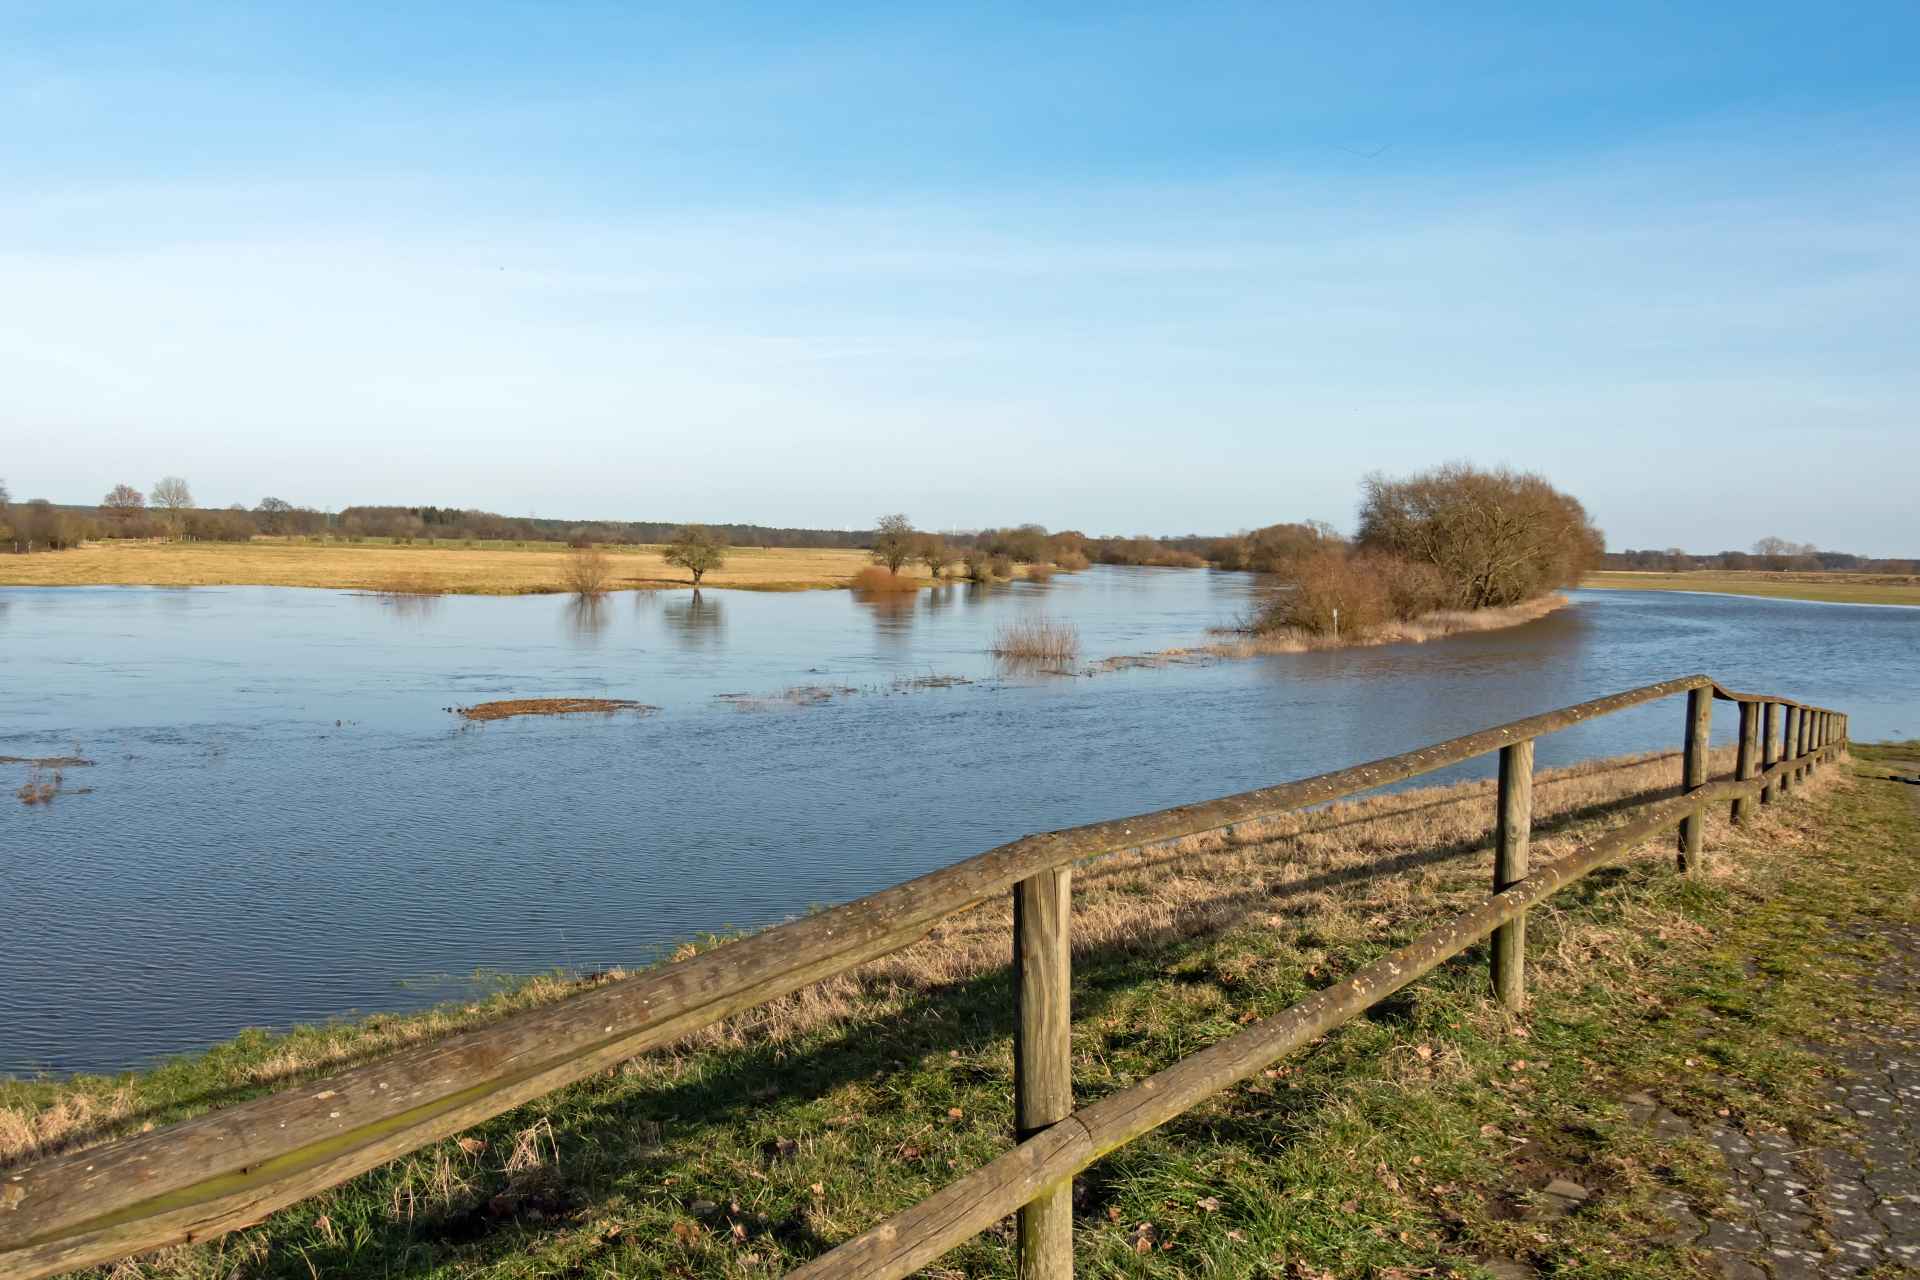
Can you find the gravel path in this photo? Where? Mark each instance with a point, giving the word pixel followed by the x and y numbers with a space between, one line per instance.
pixel 1831 1211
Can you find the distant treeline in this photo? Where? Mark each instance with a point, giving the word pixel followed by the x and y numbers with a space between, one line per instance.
pixel 1771 554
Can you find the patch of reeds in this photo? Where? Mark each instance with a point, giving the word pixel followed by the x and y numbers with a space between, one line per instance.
pixel 1070 561
pixel 1047 640
pixel 1039 571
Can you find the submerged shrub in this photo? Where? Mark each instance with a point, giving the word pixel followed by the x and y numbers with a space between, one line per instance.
pixel 1038 640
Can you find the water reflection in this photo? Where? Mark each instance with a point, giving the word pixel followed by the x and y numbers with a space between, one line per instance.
pixel 398 604
pixel 698 622
pixel 892 613
pixel 586 618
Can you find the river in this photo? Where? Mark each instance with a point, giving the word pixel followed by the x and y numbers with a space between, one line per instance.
pixel 285 823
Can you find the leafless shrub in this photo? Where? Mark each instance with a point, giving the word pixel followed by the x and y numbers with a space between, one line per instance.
pixel 1497 537
pixel 588 571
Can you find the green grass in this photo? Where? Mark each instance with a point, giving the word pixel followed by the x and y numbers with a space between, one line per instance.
pixel 1830 588
pixel 1406 1144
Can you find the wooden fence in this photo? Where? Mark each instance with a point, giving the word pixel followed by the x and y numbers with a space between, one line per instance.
pixel 230 1168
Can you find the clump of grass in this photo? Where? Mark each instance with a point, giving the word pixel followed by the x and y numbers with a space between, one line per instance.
pixel 1037 640
pixel 877 579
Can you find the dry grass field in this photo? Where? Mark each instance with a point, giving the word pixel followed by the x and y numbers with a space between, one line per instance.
pixel 1832 588
pixel 493 569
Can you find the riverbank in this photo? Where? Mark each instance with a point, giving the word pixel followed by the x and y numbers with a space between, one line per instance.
pixel 1422 1137
pixel 504 569
pixel 1253 644
pixel 1829 588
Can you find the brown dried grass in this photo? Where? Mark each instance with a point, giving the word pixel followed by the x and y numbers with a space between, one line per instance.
pixel 879 580
pixel 1430 626
pixel 507 707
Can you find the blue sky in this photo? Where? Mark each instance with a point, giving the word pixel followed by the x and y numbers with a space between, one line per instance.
pixel 1152 268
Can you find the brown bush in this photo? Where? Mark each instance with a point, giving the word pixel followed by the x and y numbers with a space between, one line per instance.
pixel 878 580
pixel 1039 571
pixel 1413 587
pixel 1329 581
pixel 588 571
pixel 1070 561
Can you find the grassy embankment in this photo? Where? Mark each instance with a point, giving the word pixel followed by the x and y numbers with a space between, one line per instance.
pixel 1833 588
pixel 1410 1142
pixel 500 568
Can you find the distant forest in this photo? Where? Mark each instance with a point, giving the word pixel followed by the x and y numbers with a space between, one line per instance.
pixel 169 511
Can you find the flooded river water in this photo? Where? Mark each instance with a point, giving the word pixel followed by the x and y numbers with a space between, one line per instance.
pixel 285 823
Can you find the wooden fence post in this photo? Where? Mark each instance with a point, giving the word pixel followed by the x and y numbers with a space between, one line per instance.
pixel 1043 1057
pixel 1513 830
pixel 1749 752
pixel 1788 728
pixel 1802 735
pixel 1769 726
pixel 1693 835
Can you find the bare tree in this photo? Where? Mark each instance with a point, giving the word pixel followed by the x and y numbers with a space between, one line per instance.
pixel 1774 552
pixel 275 515
pixel 122 503
pixel 893 542
pixel 171 494
pixel 697 549
pixel 1497 537
pixel 933 552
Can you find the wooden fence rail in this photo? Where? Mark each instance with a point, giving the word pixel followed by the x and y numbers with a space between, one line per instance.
pixel 230 1168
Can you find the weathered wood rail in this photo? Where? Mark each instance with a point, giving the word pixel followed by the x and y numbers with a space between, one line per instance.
pixel 230 1168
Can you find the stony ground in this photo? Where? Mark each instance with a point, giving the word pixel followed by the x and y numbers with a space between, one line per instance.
pixel 1833 1211
pixel 1798 1213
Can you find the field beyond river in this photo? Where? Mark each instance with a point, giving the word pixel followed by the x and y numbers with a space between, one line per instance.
pixel 421 567
pixel 1832 588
